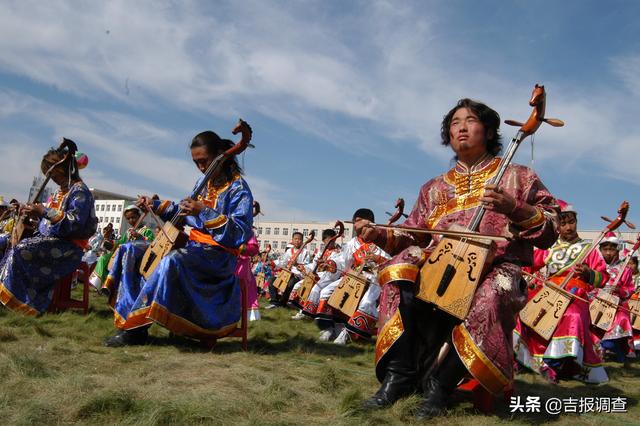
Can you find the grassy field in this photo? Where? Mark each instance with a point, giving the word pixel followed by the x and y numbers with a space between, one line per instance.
pixel 54 370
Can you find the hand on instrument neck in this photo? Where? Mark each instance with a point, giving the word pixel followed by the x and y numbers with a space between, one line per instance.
pixel 191 207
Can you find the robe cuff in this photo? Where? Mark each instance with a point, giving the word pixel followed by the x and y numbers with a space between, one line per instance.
pixel 596 278
pixel 216 222
pixel 54 215
pixel 534 221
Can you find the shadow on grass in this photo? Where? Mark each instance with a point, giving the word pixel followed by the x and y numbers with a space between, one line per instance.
pixel 259 345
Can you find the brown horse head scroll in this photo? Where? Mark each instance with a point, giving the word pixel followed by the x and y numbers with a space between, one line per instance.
pixel 538 101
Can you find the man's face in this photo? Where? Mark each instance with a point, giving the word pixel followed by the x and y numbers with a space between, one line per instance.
pixel 568 226
pixel 609 252
pixel 201 158
pixel 297 240
pixel 467 133
pixel 634 266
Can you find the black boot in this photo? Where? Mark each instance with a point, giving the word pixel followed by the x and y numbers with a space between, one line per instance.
pixel 439 386
pixel 394 386
pixel 400 377
pixel 137 336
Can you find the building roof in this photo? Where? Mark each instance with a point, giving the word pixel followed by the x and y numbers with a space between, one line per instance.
pixel 100 194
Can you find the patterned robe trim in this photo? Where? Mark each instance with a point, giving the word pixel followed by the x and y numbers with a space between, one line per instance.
pixel 217 222
pixel 534 221
pixel 481 367
pixel 9 300
pixel 560 272
pixel 324 311
pixel 310 309
pixel 469 188
pixel 174 323
pixel 163 206
pixel 399 271
pixel 391 332
pixel 362 324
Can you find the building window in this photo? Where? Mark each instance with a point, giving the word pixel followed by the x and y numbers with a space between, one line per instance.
pixel 267 231
pixel 283 244
pixel 108 207
pixel 102 207
pixel 259 230
pixel 285 231
pixel 120 207
pixel 294 231
pixel 313 246
pixel 111 220
pixel 117 219
pixel 305 232
pixel 276 231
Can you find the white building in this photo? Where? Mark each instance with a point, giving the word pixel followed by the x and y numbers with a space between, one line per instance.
pixel 110 209
pixel 278 234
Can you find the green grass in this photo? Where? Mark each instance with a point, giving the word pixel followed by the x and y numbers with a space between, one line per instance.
pixel 55 370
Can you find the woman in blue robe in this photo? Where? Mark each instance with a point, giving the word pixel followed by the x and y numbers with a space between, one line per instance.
pixel 193 291
pixel 29 271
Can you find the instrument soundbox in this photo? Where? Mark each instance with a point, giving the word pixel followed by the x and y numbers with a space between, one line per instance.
pixel 455 268
pixel 260 279
pixel 171 237
pixel 346 297
pixel 603 310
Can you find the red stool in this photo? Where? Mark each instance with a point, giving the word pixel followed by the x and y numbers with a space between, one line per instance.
pixel 62 291
pixel 483 399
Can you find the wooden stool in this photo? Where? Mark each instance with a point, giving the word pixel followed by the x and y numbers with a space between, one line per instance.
pixel 482 399
pixel 62 291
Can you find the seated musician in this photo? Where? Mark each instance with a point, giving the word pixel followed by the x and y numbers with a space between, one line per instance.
pixel 264 265
pixel 618 339
pixel 30 270
pixel 142 233
pixel 570 351
pixel 193 291
pixel 411 354
pixel 281 300
pixel 327 272
pixel 356 252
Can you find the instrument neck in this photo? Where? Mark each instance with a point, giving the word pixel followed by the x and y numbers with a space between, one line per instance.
pixel 212 172
pixel 502 168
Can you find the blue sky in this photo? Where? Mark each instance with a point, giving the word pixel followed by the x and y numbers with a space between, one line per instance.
pixel 345 98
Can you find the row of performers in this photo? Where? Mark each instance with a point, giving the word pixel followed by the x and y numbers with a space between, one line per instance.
pixel 194 290
pixel 576 348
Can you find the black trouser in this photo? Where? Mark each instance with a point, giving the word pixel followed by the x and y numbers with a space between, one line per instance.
pixel 426 329
pixel 273 291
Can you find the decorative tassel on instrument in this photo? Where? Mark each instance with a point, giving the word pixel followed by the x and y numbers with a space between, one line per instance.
pixel 450 276
pixel 172 236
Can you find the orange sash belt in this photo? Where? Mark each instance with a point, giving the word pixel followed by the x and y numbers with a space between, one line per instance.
pixel 203 238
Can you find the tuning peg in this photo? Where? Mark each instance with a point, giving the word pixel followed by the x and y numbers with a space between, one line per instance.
pixel 606 219
pixel 554 122
pixel 630 225
pixel 513 123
